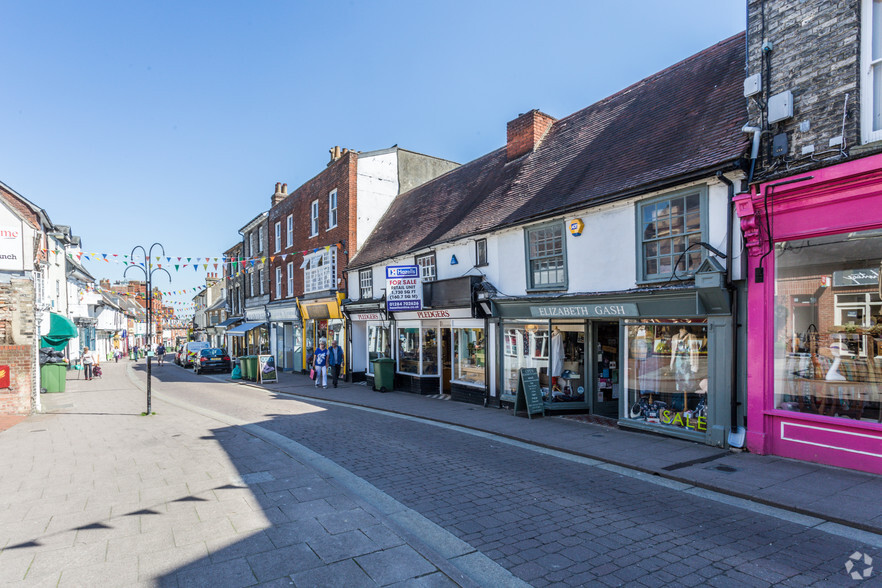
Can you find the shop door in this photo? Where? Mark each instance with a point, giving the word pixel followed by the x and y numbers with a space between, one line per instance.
pixel 607 386
pixel 446 363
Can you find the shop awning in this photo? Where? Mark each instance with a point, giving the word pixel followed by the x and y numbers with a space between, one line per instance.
pixel 61 330
pixel 240 330
pixel 228 322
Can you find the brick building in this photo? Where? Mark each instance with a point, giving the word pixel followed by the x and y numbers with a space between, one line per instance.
pixel 315 229
pixel 812 220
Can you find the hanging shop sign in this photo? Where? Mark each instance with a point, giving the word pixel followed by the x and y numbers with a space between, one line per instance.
pixel 856 277
pixel 585 310
pixel 404 290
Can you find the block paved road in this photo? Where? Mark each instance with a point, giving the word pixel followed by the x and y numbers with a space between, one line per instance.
pixel 550 519
pixel 231 485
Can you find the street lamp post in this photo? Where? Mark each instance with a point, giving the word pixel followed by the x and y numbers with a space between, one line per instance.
pixel 148 269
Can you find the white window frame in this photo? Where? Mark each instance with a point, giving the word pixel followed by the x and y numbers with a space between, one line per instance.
pixel 320 272
pixel 251 283
pixel 868 64
pixel 544 256
pixel 278 282
pixel 314 219
pixel 289 237
pixel 332 209
pixel 290 276
pixel 366 283
pixel 260 280
pixel 480 244
pixel 259 241
pixel 278 243
pixel 691 237
pixel 428 271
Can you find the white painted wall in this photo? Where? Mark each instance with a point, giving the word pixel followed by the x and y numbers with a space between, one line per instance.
pixel 377 181
pixel 602 259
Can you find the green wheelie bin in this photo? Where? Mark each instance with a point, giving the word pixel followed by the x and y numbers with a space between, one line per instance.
pixel 54 376
pixel 384 373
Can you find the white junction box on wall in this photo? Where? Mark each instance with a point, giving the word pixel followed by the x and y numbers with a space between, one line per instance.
pixel 780 106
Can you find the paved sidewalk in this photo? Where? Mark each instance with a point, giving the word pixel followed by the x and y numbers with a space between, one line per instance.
pixel 92 493
pixel 837 495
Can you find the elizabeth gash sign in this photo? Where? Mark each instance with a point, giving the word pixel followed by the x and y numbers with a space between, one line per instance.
pixel 404 290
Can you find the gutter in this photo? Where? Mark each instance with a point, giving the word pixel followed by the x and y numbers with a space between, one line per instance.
pixel 733 301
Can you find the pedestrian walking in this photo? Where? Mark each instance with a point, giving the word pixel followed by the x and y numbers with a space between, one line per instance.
pixel 320 364
pixel 160 353
pixel 335 361
pixel 88 360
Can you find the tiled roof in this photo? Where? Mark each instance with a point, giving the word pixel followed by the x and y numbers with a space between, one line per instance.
pixel 681 121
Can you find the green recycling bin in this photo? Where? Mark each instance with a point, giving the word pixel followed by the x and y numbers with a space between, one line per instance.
pixel 53 376
pixel 252 368
pixel 384 373
pixel 243 365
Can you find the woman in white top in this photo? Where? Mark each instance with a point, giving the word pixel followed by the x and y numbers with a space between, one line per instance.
pixel 88 359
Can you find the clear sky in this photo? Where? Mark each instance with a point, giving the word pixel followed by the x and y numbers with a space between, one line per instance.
pixel 170 121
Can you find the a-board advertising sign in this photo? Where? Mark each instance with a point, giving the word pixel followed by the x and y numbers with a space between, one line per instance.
pixel 266 367
pixel 529 395
pixel 404 289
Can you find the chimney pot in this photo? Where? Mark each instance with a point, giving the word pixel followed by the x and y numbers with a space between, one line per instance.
pixel 284 188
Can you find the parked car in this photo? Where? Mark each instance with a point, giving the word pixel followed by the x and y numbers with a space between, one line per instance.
pixel 190 353
pixel 178 352
pixel 212 359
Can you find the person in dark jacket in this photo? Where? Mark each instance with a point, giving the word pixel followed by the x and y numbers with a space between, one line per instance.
pixel 335 361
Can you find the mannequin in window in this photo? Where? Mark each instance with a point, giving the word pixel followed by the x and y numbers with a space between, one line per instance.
pixel 684 360
pixel 557 352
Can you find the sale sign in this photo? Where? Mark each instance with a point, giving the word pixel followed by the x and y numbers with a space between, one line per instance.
pixel 404 289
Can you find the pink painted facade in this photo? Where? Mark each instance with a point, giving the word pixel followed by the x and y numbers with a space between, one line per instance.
pixel 812 425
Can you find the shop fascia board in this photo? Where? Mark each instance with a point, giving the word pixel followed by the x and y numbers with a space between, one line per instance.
pixel 672 303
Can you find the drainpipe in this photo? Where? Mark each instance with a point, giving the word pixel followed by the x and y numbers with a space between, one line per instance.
pixel 733 291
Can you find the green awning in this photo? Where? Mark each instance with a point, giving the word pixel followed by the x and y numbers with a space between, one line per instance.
pixel 61 330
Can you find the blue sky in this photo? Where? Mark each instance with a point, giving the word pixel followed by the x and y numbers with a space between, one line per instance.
pixel 137 122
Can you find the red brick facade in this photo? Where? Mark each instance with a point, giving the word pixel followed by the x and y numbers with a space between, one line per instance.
pixel 339 175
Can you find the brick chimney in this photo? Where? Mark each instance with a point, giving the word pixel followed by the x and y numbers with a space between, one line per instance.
pixel 280 194
pixel 526 132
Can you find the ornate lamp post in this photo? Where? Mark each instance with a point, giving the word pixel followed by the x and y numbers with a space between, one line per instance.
pixel 148 269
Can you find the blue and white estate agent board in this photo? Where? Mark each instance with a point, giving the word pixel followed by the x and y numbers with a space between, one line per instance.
pixel 404 290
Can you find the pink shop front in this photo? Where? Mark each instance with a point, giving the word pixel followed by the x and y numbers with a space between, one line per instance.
pixel 814 375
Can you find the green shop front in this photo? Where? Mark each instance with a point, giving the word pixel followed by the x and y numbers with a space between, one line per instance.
pixel 651 360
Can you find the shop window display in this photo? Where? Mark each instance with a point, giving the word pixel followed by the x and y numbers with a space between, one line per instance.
pixel 567 364
pixel 828 326
pixel 409 351
pixel 469 356
pixel 379 344
pixel 525 346
pixel 667 373
pixel 430 352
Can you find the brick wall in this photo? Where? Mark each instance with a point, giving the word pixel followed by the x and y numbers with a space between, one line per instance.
pixel 17 345
pixel 339 175
pixel 816 55
pixel 525 132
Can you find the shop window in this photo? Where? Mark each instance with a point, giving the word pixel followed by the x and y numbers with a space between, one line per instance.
pixel 480 252
pixel 670 229
pixel 379 344
pixel 409 351
pixel 289 233
pixel 320 271
pixel 469 356
pixel 546 257
pixel 430 352
pixel 525 346
pixel 332 209
pixel 828 326
pixel 667 373
pixel 871 57
pixel 277 246
pixel 428 271
pixel 366 283
pixel 290 268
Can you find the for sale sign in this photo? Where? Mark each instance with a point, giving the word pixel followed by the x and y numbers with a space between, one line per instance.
pixel 404 289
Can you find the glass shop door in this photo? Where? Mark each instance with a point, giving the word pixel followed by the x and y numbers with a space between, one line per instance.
pixel 607 384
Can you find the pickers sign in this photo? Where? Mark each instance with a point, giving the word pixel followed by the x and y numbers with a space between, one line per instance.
pixel 404 290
